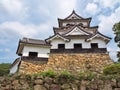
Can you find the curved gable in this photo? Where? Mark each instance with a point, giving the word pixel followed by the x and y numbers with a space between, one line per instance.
pixel 76 31
pixel 105 38
pixel 57 36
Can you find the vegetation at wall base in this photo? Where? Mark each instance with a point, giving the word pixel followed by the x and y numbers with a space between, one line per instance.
pixel 65 76
pixel 48 73
pixel 4 69
pixel 112 69
pixel 87 76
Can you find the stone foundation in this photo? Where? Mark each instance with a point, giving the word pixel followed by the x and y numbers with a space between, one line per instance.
pixel 78 62
pixel 29 67
pixel 39 83
pixel 74 63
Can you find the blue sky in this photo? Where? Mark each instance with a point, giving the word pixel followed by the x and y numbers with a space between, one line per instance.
pixel 36 18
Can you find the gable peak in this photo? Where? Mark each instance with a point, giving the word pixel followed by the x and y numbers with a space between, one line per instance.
pixel 73 15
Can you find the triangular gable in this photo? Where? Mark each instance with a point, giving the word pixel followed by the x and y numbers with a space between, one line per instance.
pixel 107 39
pixel 57 36
pixel 73 15
pixel 76 31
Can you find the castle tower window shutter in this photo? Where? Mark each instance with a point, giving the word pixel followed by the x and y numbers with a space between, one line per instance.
pixel 33 54
pixel 94 45
pixel 61 46
pixel 77 46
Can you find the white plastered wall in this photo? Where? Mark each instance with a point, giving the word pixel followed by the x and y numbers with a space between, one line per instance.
pixel 14 68
pixel 42 51
pixel 70 45
pixel 101 42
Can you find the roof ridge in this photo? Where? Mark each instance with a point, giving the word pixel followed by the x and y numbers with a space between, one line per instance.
pixel 73 12
pixel 27 39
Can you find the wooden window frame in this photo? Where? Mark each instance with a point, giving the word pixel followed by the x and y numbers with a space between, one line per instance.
pixel 94 45
pixel 61 46
pixel 33 54
pixel 77 45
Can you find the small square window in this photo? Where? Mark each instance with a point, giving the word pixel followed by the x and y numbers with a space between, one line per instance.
pixel 61 46
pixel 94 45
pixel 33 54
pixel 77 46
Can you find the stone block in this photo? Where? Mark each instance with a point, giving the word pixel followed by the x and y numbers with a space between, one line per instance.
pixel 65 86
pixel 38 81
pixel 117 89
pixel 39 87
pixel 55 87
pixel 118 84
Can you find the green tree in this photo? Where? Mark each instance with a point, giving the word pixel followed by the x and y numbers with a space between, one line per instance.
pixel 116 29
pixel 4 69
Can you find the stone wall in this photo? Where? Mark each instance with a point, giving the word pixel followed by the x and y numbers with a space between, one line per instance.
pixel 29 66
pixel 78 62
pixel 47 83
pixel 72 62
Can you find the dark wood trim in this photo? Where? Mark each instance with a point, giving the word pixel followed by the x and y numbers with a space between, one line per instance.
pixel 98 50
pixel 34 59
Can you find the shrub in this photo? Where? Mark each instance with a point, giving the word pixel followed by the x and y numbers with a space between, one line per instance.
pixel 112 69
pixel 66 74
pixel 107 77
pixel 90 76
pixel 82 75
pixel 28 77
pixel 87 76
pixel 48 74
pixel 4 69
pixel 35 75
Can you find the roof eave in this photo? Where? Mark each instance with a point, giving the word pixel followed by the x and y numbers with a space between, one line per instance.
pixel 51 38
pixel 18 49
pixel 106 39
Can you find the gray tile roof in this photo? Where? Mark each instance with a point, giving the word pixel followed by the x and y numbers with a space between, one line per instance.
pixel 34 41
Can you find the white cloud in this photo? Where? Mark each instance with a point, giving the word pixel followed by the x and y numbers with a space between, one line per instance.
pixel 65 7
pixel 106 3
pixel 56 8
pixel 92 8
pixel 110 3
pixel 113 56
pixel 1 50
pixel 14 8
pixel 105 26
pixel 11 30
pixel 3 40
pixel 107 22
pixel 28 30
pixel 43 10
pixel 113 49
pixel 99 6
pixel 6 50
pixel 12 5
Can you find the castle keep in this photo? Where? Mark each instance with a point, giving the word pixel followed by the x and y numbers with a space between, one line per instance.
pixel 75 46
